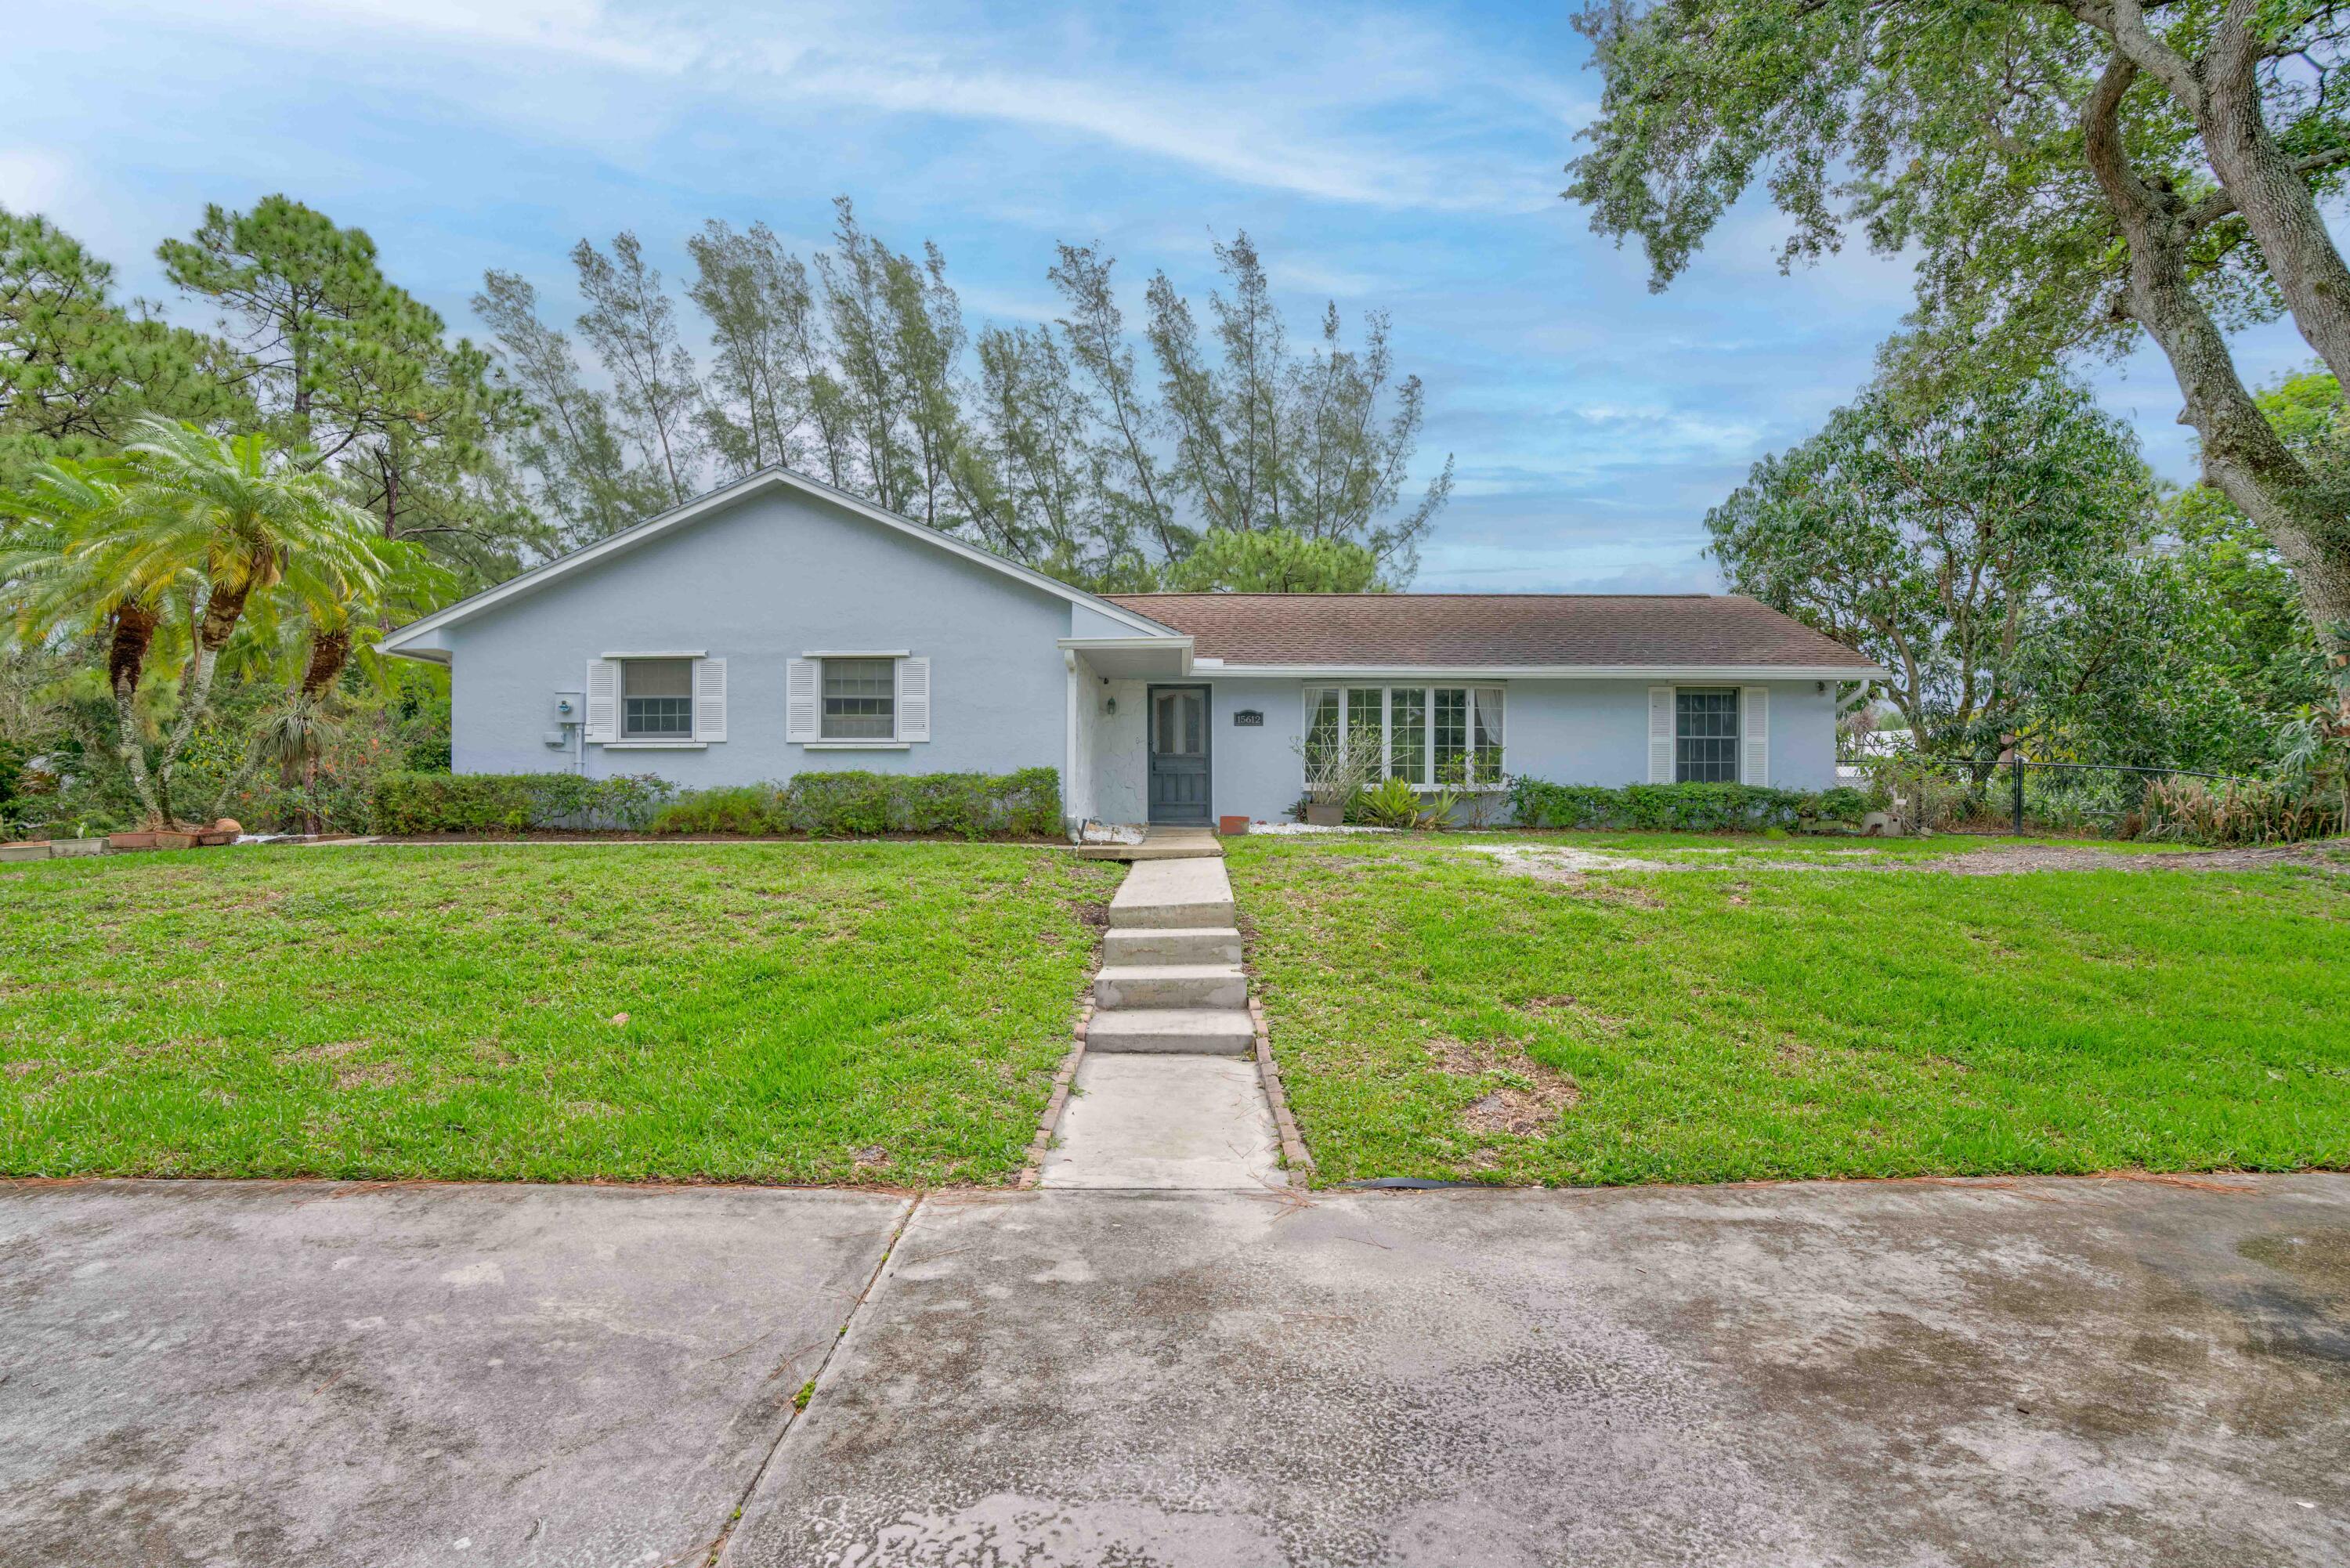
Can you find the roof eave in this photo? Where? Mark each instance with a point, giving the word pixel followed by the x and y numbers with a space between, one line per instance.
pixel 1558 671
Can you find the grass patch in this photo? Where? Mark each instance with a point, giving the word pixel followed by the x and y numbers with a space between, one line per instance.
pixel 1438 1016
pixel 887 1014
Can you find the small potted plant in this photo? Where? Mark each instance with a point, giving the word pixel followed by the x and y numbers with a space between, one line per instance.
pixel 1337 769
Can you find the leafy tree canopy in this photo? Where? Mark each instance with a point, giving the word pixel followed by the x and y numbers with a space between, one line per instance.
pixel 77 367
pixel 1938 537
pixel 353 374
pixel 1061 451
pixel 2067 172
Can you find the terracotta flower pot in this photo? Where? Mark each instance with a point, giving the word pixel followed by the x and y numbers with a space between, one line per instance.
pixel 1320 815
pixel 165 840
pixel 142 839
pixel 1232 826
pixel 216 837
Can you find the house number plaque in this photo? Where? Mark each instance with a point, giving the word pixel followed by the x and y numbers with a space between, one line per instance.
pixel 1247 718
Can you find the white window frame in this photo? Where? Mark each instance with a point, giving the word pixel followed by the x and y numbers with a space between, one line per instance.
pixel 898 739
pixel 1311 695
pixel 620 740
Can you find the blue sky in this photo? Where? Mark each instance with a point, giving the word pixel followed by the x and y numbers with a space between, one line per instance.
pixel 1403 157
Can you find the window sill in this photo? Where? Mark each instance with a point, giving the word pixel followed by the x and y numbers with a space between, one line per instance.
pixel 654 745
pixel 858 745
pixel 1431 789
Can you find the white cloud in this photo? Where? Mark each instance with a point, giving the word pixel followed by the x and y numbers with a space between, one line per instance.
pixel 33 179
pixel 1293 116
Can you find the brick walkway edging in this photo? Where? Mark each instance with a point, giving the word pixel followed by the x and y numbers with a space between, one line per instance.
pixel 1293 1147
pixel 1038 1146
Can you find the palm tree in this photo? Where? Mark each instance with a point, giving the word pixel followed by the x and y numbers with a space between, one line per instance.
pixel 73 567
pixel 312 617
pixel 185 517
pixel 247 510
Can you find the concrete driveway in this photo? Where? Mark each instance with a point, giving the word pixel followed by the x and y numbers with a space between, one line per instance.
pixel 2050 1372
pixel 2057 1372
pixel 252 1373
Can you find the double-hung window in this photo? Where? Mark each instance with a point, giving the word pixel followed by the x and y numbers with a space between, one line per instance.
pixel 857 700
pixel 656 699
pixel 860 700
pixel 1424 735
pixel 1705 734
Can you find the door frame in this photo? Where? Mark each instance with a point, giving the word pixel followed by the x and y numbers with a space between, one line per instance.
pixel 1207 741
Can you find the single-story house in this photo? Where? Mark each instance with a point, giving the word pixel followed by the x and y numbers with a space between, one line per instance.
pixel 778 625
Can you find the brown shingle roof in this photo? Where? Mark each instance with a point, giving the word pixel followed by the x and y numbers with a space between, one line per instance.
pixel 1673 630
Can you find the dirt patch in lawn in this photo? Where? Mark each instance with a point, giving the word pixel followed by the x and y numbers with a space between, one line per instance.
pixel 1525 1102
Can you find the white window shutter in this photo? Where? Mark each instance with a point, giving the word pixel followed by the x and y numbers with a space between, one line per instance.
pixel 1660 735
pixel 1754 736
pixel 913 699
pixel 709 698
pixel 800 699
pixel 603 700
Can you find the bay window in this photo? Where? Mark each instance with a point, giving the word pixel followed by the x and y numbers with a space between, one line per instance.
pixel 1424 735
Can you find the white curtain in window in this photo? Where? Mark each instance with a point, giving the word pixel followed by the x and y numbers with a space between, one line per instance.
pixel 1485 731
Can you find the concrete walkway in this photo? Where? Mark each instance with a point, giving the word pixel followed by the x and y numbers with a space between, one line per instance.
pixel 1166 1095
pixel 1933 1374
pixel 1140 1121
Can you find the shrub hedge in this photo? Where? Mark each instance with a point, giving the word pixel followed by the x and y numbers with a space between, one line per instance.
pixel 1024 805
pixel 509 803
pixel 825 805
pixel 1679 807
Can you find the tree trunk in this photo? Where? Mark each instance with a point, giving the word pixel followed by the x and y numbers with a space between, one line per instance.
pixel 2242 454
pixel 2271 192
pixel 329 651
pixel 223 607
pixel 126 661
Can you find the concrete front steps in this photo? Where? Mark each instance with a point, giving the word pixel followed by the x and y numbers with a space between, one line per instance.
pixel 1133 945
pixel 1158 844
pixel 1172 979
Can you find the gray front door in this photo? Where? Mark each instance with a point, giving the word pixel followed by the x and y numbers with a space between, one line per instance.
pixel 1179 754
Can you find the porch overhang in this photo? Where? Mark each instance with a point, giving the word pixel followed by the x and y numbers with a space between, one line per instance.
pixel 1133 658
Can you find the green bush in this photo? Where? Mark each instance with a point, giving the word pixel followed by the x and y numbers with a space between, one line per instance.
pixel 1678 807
pixel 1024 805
pixel 1390 803
pixel 512 803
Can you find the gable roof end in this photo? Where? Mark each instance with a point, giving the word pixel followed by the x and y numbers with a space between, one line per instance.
pixel 402 640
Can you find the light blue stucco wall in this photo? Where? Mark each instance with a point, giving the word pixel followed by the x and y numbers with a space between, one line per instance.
pixel 780 575
pixel 1565 732
pixel 759 583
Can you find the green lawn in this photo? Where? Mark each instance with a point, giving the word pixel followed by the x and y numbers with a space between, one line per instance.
pixel 884 1013
pixel 1438 1016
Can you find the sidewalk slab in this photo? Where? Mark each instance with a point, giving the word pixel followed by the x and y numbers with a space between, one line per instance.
pixel 2091 1374
pixel 334 1373
pixel 1166 1121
